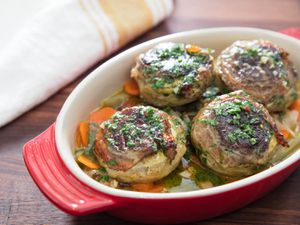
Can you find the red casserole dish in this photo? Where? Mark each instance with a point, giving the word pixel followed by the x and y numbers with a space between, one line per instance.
pixel 50 162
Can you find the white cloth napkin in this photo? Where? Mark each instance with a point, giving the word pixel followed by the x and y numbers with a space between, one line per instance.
pixel 63 41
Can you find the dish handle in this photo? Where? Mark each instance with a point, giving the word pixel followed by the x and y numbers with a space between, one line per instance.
pixel 57 183
pixel 293 32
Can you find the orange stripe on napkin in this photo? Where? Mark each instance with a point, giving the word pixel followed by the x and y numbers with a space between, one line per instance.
pixel 130 18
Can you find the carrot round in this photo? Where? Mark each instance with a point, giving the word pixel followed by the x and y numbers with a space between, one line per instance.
pixel 148 187
pixel 285 133
pixel 78 138
pixel 87 162
pixel 131 88
pixel 102 114
pixel 192 49
pixel 84 133
pixel 296 106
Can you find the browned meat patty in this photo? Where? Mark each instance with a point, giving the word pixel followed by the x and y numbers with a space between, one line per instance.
pixel 173 74
pixel 235 135
pixel 261 69
pixel 140 144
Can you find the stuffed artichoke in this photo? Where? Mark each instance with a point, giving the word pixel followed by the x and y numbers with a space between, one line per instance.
pixel 173 74
pixel 261 69
pixel 140 144
pixel 235 135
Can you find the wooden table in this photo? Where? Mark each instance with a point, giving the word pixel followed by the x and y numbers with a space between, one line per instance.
pixel 22 203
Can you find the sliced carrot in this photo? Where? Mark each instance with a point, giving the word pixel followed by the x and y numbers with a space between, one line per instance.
pixel 192 49
pixel 157 189
pixel 285 133
pixel 102 114
pixel 296 106
pixel 87 162
pixel 131 88
pixel 78 138
pixel 84 133
pixel 148 187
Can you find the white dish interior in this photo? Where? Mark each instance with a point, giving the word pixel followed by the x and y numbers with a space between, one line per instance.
pixel 110 76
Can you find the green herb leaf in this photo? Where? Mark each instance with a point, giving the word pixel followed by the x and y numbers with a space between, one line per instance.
pixel 104 178
pixel 112 162
pixel 130 144
pixel 211 122
pixel 250 53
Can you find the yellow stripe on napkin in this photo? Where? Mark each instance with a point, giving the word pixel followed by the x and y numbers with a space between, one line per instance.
pixel 130 17
pixel 119 21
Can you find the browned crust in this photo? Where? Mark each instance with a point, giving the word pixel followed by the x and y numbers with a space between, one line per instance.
pixel 126 157
pixel 262 87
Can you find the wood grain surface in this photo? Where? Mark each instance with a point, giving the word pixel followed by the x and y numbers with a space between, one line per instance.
pixel 22 203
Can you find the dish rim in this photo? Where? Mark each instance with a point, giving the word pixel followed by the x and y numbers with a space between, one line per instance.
pixel 294 158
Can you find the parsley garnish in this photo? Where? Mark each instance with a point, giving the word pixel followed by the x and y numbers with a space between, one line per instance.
pixel 211 122
pixel 112 162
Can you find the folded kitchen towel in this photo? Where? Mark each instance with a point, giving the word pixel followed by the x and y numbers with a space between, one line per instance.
pixel 65 40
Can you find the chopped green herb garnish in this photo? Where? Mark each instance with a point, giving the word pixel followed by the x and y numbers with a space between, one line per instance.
pixel 242 120
pixel 103 170
pixel 173 67
pixel 112 162
pixel 211 122
pixel 104 178
pixel 253 141
pixel 251 52
pixel 159 83
pixel 131 134
pixel 130 144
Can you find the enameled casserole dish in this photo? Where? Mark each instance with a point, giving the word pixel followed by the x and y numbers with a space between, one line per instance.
pixel 51 164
